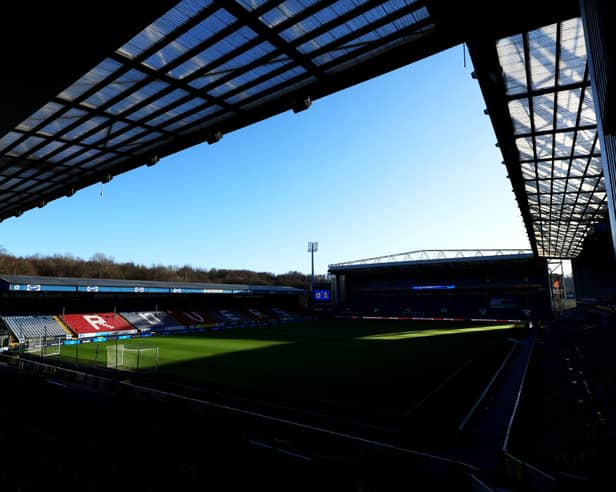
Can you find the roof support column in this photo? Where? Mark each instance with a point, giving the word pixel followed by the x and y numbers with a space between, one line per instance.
pixel 601 52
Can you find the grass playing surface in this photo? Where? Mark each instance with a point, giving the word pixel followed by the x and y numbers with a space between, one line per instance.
pixel 384 365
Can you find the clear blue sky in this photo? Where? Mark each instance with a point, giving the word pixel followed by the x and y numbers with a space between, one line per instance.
pixel 402 162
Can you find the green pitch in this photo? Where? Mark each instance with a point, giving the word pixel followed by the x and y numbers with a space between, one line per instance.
pixel 369 363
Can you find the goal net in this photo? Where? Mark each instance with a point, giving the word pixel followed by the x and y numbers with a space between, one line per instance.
pixel 137 358
pixel 44 346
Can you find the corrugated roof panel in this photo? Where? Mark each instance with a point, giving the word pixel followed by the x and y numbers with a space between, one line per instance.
pixel 190 66
pixel 222 48
pixel 318 19
pixel 11 167
pixel 86 126
pixel 146 149
pixel 573 185
pixel 584 141
pixel 573 52
pixel 286 10
pixel 94 159
pixel 543 107
pixel 25 146
pixel 12 183
pixel 46 149
pixel 511 55
pixel 100 135
pixel 125 135
pixel 38 187
pixel 41 115
pixel 578 167
pixel 531 186
pixel 134 98
pixel 377 50
pixel 244 77
pixel 89 80
pixel 118 86
pixel 561 168
pixel 9 139
pixel 563 143
pixel 353 25
pixel 65 154
pixel 545 186
pixel 60 123
pixel 570 189
pixel 279 92
pixel 528 171
pixel 589 184
pixel 542 49
pixel 157 104
pixel 595 166
pixel 525 148
pixel 200 126
pixel 175 112
pixel 159 29
pixel 188 119
pixel 544 170
pixel 568 105
pixel 267 84
pixel 251 4
pixel 588 115
pixel 192 38
pixel 186 70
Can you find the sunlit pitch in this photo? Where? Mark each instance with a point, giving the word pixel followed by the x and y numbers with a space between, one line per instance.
pixel 400 335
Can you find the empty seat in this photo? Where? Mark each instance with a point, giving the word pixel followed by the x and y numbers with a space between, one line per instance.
pixel 30 327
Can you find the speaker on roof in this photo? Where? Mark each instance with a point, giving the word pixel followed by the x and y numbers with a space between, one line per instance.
pixel 301 104
pixel 214 137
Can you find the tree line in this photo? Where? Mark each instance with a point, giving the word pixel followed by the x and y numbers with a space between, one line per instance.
pixel 103 266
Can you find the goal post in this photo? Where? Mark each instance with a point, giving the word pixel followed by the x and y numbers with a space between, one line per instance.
pixel 135 358
pixel 44 346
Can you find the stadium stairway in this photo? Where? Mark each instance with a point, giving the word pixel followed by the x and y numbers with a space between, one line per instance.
pixel 567 419
pixel 481 442
pixel 64 327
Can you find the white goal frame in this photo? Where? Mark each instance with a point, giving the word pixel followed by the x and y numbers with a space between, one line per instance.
pixel 44 346
pixel 132 358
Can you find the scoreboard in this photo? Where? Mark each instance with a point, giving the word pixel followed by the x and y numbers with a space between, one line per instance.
pixel 322 295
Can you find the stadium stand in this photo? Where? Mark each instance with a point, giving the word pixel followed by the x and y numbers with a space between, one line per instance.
pixel 257 315
pixel 284 315
pixel 511 286
pixel 195 319
pixel 233 316
pixel 567 412
pixel 26 328
pixel 152 321
pixel 98 324
pixel 66 329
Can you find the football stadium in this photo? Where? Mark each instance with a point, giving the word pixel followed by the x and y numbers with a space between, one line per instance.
pixel 451 369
